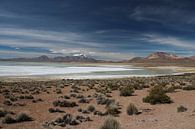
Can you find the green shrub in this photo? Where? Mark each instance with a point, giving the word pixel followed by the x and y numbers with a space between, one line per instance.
pixel 132 109
pixel 181 109
pixel 113 86
pixel 126 91
pixel 157 96
pixel 111 123
pixel 91 108
pixel 8 120
pixel 23 117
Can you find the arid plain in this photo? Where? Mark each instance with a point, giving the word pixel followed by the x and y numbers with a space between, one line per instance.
pixel 81 104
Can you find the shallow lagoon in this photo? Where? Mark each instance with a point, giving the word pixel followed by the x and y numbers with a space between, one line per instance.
pixel 77 71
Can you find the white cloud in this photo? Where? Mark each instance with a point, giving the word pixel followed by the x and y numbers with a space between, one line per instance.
pixel 69 50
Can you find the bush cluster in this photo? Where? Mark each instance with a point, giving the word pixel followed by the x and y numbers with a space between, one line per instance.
pixel 126 91
pixel 69 119
pixel 19 118
pixel 157 96
pixel 113 86
pixel 64 103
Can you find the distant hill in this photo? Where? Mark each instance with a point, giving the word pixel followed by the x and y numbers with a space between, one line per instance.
pixel 192 57
pixel 80 58
pixel 162 59
pixel 162 55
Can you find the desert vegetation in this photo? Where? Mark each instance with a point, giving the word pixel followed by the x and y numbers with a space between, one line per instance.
pixel 157 95
pixel 80 103
pixel 126 91
pixel 181 108
pixel 23 117
pixel 132 109
pixel 111 123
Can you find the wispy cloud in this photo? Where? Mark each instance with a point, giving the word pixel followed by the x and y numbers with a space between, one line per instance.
pixel 107 44
pixel 25 43
pixel 63 37
pixel 166 15
pixel 57 43
pixel 169 40
pixel 13 54
pixel 7 14
pixel 50 40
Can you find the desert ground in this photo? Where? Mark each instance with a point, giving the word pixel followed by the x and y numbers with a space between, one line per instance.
pixel 81 104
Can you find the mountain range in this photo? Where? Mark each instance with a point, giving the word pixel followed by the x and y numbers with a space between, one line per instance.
pixel 161 56
pixel 152 59
pixel 162 59
pixel 44 58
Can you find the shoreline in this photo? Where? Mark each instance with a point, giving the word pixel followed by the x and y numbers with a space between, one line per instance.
pixel 54 78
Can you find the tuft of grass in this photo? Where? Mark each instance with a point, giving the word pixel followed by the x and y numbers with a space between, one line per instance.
pixel 132 109
pixel 157 95
pixel 126 91
pixel 112 109
pixel 111 123
pixel 181 108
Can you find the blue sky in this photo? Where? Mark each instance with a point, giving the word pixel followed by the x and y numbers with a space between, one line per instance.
pixel 104 29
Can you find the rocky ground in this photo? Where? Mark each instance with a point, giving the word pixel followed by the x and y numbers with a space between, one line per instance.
pixel 81 104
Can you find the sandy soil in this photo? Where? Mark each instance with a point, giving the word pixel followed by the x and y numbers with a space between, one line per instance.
pixel 161 116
